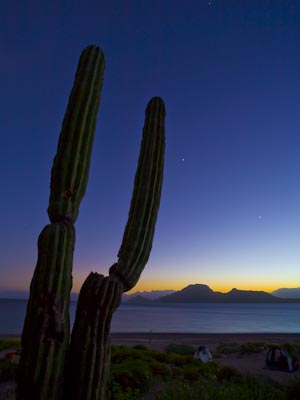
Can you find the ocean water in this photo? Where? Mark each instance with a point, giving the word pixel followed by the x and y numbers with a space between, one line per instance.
pixel 197 318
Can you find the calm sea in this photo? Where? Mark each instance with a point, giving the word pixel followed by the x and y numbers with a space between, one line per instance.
pixel 198 318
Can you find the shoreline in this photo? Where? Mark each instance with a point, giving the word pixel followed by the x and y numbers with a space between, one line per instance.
pixel 159 340
pixel 214 337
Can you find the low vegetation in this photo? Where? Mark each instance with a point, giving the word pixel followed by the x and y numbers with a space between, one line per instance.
pixel 254 347
pixel 7 370
pixel 138 372
pixel 9 344
pixel 141 373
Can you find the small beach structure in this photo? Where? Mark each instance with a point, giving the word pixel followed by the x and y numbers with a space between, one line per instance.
pixel 203 354
pixel 278 358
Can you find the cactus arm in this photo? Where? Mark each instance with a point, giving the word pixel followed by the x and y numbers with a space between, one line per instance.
pixel 138 235
pixel 70 169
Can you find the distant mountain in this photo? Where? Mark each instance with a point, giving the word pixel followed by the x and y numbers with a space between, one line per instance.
pixel 153 295
pixel 24 295
pixel 203 294
pixel 140 300
pixel 287 293
pixel 191 294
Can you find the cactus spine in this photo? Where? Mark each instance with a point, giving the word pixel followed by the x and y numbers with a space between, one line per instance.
pixel 46 329
pixel 100 296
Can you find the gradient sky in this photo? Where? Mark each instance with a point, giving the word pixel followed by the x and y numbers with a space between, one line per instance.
pixel 228 71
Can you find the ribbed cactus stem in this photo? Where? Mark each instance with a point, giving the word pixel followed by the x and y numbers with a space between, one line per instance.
pixel 70 169
pixel 138 235
pixel 46 330
pixel 87 365
pixel 88 361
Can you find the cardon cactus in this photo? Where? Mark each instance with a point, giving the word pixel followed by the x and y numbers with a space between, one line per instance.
pixel 100 296
pixel 52 367
pixel 45 335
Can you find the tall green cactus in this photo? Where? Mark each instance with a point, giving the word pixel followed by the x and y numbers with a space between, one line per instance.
pixel 99 297
pixel 46 329
pixel 43 372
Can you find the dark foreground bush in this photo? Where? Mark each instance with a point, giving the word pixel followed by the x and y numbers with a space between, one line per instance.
pixel 213 390
pixel 181 349
pixel 136 371
pixel 293 389
pixel 7 370
pixel 9 344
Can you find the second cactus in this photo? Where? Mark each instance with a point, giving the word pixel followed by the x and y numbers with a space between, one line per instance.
pixel 100 296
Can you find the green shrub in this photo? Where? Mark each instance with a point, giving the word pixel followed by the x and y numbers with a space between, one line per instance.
pixel 9 344
pixel 208 390
pixel 159 356
pixel 123 353
pixel 293 349
pixel 140 347
pixel 176 391
pixel 293 389
pixel 134 374
pixel 191 373
pixel 228 373
pixel 7 370
pixel 228 348
pixel 244 348
pixel 177 372
pixel 116 392
pixel 184 378
pixel 175 359
pixel 159 369
pixel 253 347
pixel 181 349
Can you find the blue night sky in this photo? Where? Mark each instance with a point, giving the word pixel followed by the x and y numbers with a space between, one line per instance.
pixel 228 71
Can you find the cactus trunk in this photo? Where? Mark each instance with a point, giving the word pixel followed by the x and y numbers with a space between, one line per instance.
pixel 45 335
pixel 46 329
pixel 88 362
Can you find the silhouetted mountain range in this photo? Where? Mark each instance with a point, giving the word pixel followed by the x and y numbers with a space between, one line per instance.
pixel 151 295
pixel 197 293
pixel 203 294
pixel 139 300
